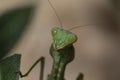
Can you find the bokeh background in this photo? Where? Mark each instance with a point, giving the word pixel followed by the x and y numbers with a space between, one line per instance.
pixel 97 48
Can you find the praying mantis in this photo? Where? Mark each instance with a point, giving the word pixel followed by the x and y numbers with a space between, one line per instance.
pixel 62 52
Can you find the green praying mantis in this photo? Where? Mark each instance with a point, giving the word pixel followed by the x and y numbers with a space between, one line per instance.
pixel 62 52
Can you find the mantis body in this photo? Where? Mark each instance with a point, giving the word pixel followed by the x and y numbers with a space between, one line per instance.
pixel 62 52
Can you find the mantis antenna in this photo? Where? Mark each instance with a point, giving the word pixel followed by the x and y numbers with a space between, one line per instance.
pixel 61 21
pixel 84 25
pixel 56 13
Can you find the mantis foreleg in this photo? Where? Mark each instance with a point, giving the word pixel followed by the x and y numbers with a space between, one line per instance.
pixel 42 60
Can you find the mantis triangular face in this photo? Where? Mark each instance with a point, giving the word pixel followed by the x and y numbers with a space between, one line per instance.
pixel 62 38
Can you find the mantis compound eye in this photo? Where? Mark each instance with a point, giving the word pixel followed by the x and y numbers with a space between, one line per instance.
pixel 62 38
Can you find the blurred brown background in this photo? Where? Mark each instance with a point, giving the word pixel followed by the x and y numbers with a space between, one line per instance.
pixel 97 48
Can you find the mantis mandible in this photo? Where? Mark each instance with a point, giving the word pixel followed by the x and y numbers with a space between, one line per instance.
pixel 62 52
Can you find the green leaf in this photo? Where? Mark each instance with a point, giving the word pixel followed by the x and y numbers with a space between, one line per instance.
pixel 12 24
pixel 62 38
pixel 9 68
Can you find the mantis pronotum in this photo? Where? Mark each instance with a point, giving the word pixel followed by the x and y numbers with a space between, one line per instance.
pixel 61 50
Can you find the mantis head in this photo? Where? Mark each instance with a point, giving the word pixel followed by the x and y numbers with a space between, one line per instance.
pixel 62 38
